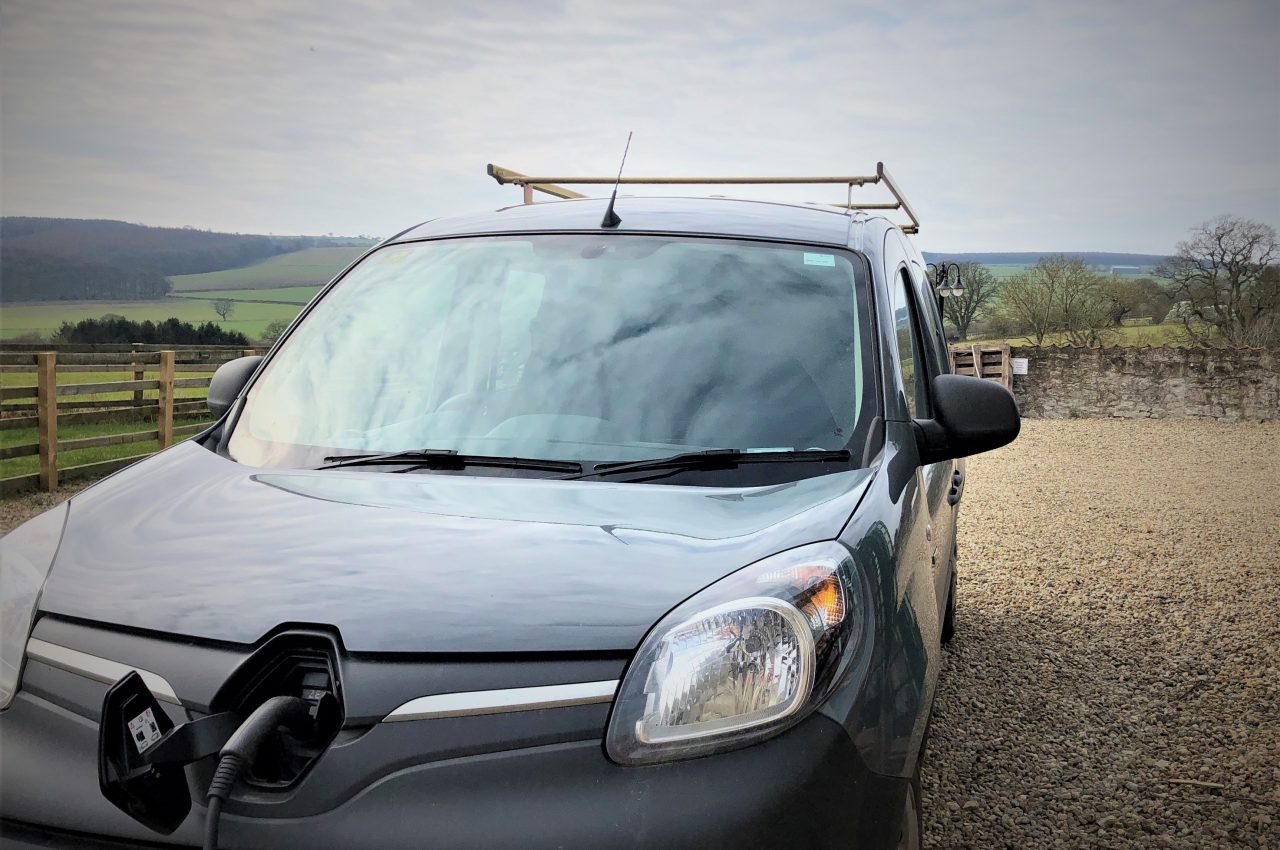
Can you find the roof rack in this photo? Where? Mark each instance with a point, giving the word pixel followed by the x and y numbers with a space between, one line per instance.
pixel 555 186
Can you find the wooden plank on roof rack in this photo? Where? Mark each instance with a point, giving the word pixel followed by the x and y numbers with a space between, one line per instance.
pixel 552 185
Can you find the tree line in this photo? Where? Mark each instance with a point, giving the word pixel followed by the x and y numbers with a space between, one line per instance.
pixel 117 329
pixel 1222 285
pixel 33 276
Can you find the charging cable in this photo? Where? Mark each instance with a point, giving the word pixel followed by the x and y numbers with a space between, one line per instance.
pixel 242 748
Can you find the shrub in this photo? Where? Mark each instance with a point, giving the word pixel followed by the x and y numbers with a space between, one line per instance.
pixel 272 332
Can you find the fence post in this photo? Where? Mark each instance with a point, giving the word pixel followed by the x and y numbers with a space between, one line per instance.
pixel 139 372
pixel 164 421
pixel 47 418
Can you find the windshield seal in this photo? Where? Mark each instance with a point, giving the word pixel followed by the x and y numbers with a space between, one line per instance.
pixel 869 408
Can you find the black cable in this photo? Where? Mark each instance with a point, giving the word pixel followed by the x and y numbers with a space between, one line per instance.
pixel 241 749
pixel 211 823
pixel 229 767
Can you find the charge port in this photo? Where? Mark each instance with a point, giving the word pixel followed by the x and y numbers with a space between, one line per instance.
pixel 295 668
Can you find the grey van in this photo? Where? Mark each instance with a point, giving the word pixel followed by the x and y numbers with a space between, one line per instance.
pixel 533 530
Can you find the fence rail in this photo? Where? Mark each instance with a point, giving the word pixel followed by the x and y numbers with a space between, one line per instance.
pixel 116 347
pixel 47 396
pixel 9 368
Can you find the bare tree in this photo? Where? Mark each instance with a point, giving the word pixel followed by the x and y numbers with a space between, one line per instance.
pixel 1027 302
pixel 1136 297
pixel 224 307
pixel 1226 283
pixel 980 289
pixel 1062 295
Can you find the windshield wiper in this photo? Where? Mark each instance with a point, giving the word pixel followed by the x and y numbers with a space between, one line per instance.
pixel 713 459
pixel 448 459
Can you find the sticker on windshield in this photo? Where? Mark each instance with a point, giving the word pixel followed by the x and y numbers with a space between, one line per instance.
pixel 820 259
pixel 144 730
pixel 391 258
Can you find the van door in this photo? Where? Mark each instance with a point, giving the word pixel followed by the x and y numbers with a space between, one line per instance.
pixel 935 479
pixel 946 479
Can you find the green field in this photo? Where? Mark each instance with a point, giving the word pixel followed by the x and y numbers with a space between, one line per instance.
pixel 310 267
pixel 1000 272
pixel 31 463
pixel 45 317
pixel 293 294
pixel 1169 334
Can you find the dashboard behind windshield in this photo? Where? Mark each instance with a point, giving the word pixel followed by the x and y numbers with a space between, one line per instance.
pixel 586 347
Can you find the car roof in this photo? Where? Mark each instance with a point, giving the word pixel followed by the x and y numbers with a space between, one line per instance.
pixel 710 216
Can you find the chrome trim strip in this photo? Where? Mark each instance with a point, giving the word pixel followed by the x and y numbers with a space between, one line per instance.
pixel 470 703
pixel 96 668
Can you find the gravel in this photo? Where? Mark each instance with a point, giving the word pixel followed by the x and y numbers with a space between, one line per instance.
pixel 15 510
pixel 1115 676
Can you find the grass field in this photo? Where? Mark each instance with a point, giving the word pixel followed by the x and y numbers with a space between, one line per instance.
pixel 44 317
pixel 1000 272
pixel 1170 334
pixel 299 295
pixel 311 267
pixel 31 463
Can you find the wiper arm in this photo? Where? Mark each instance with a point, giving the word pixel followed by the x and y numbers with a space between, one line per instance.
pixel 713 459
pixel 448 459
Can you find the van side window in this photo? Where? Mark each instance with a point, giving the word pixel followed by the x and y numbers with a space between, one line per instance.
pixel 935 340
pixel 911 363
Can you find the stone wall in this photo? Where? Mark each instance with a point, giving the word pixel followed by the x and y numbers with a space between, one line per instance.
pixel 1228 385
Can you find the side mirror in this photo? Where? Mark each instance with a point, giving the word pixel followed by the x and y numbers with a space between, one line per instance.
pixel 228 381
pixel 970 415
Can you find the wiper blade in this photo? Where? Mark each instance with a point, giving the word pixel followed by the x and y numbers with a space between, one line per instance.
pixel 713 459
pixel 448 459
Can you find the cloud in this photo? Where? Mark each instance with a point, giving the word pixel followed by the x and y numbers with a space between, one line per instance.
pixel 1011 125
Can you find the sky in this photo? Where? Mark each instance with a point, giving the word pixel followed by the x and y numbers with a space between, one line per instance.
pixel 1019 125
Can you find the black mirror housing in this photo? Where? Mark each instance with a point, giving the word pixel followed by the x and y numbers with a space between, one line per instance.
pixel 970 415
pixel 228 381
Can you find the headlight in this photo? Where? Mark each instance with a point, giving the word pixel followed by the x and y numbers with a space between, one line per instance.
pixel 743 660
pixel 26 553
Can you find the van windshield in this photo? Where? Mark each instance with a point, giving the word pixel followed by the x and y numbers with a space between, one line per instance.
pixel 588 347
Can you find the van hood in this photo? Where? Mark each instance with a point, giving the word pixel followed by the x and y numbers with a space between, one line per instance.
pixel 190 543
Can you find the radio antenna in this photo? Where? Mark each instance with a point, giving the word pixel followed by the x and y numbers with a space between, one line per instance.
pixel 611 218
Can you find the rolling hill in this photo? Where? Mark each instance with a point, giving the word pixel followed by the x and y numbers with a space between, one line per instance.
pixel 308 267
pixel 61 259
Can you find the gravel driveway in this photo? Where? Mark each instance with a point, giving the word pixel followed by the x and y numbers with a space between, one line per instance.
pixel 15 510
pixel 1115 676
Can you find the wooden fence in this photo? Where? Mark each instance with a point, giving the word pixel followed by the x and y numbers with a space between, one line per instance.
pixel 53 404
